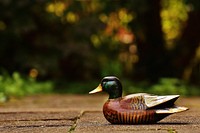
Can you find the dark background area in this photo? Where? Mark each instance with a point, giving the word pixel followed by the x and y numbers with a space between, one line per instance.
pixel 79 41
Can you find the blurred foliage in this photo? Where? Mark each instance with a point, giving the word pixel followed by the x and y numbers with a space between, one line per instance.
pixel 57 38
pixel 75 87
pixel 165 86
pixel 174 15
pixel 76 41
pixel 17 86
pixel 170 86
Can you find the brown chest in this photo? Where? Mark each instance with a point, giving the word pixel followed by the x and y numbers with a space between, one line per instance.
pixel 116 115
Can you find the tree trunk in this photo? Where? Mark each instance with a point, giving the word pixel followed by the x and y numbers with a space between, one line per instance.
pixel 153 62
pixel 187 60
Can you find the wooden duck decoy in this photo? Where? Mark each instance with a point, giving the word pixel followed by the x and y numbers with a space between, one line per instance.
pixel 138 108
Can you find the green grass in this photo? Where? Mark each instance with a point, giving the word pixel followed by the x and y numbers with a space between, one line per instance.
pixel 16 85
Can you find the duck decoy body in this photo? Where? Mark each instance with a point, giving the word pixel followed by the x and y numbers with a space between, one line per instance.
pixel 138 108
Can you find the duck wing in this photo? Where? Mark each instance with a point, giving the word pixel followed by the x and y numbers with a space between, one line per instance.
pixel 164 104
pixel 156 102
pixel 148 101
pixel 134 101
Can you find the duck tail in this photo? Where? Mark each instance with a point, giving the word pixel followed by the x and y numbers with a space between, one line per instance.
pixel 175 109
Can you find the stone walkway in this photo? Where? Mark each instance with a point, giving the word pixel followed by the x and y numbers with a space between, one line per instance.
pixel 82 114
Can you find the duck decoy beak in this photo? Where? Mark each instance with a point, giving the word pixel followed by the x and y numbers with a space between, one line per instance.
pixel 98 89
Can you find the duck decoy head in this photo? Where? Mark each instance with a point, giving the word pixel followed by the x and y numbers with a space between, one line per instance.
pixel 111 85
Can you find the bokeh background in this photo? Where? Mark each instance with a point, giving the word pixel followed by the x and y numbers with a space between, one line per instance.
pixel 69 45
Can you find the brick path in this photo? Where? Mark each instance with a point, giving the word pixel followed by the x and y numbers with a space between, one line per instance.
pixel 82 114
